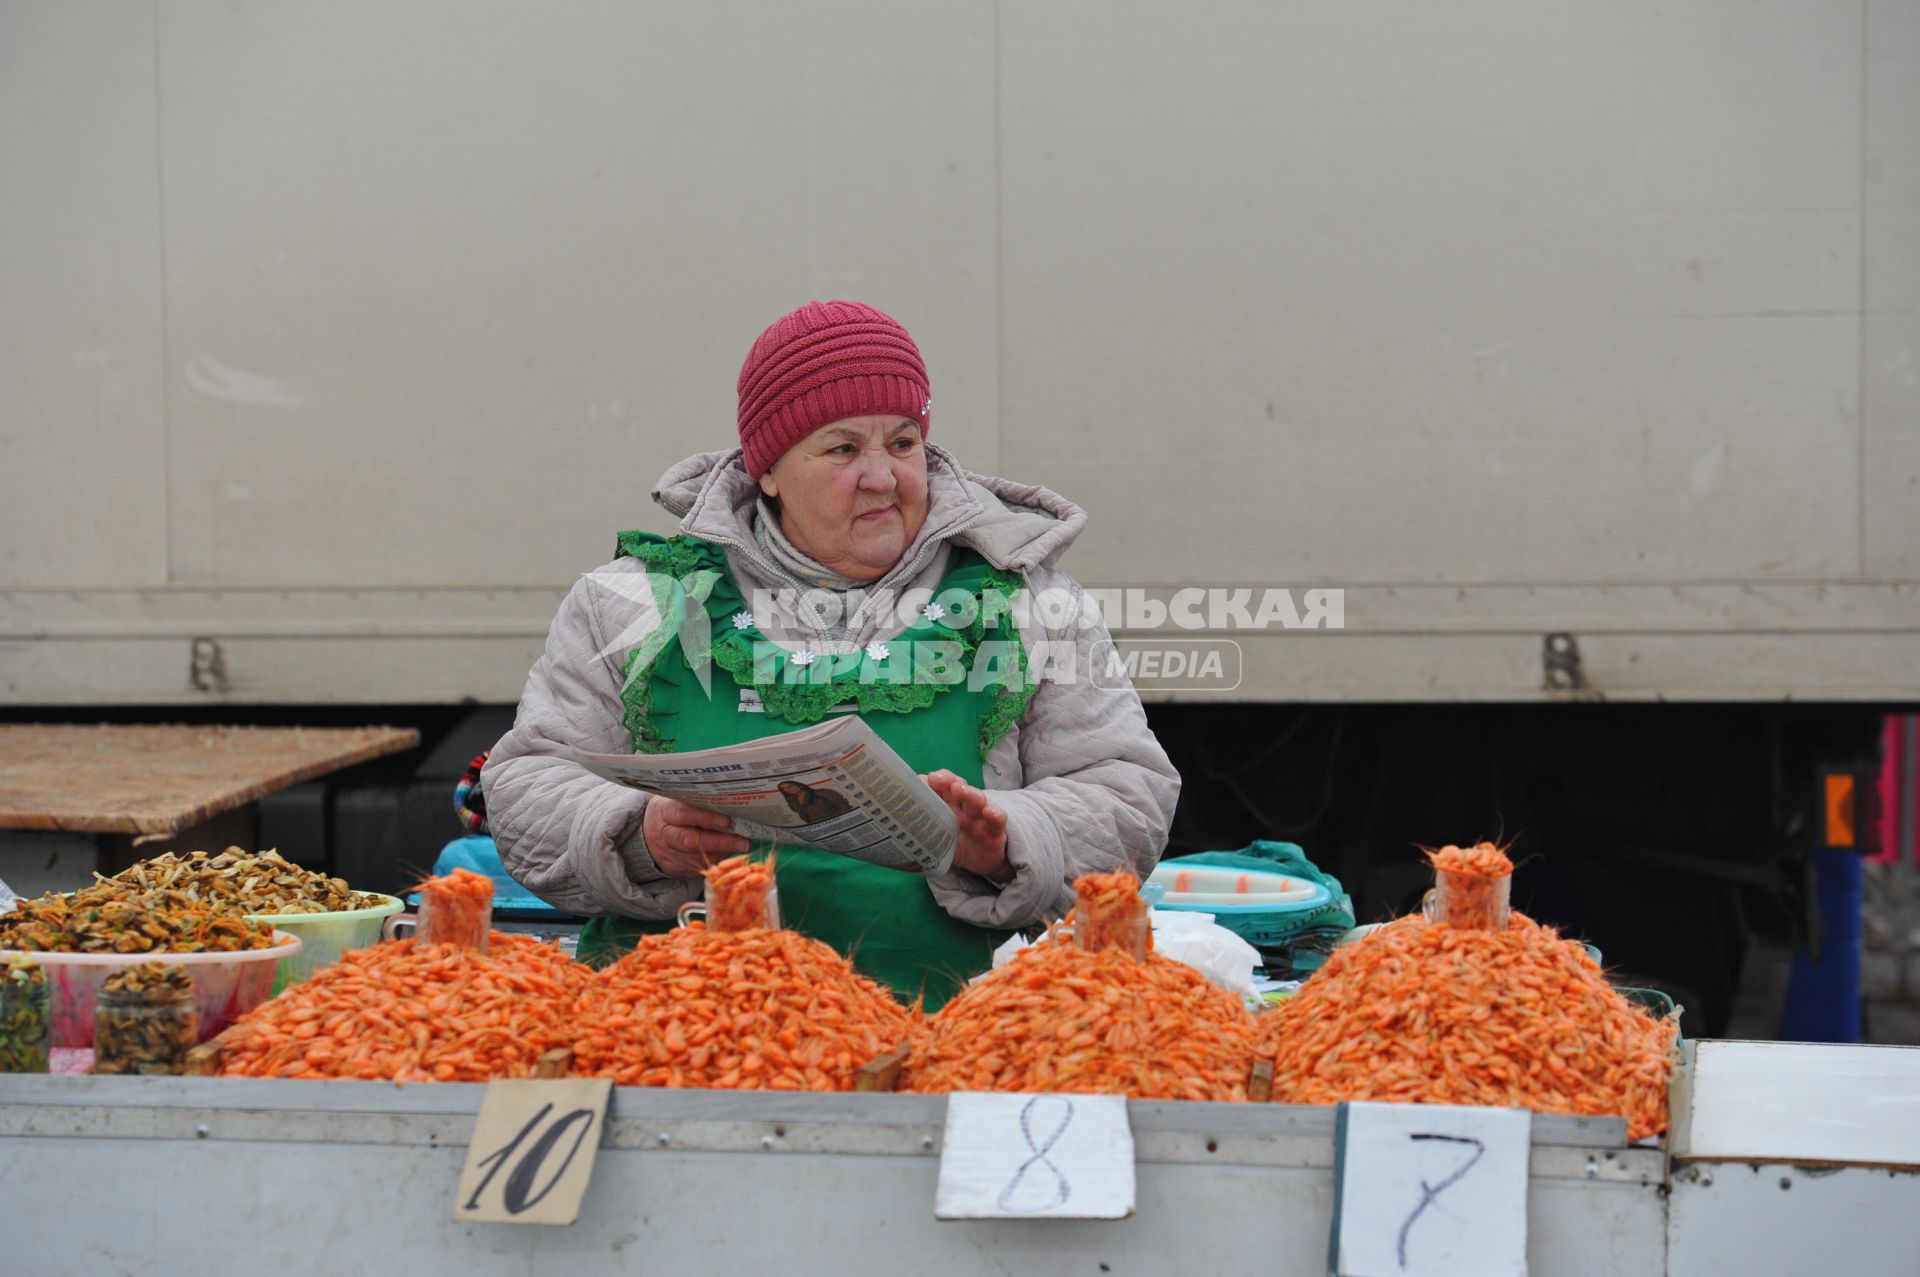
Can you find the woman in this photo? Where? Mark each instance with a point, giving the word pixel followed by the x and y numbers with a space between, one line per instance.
pixel 837 507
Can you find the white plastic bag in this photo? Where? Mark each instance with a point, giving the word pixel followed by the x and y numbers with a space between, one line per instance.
pixel 1004 954
pixel 1206 946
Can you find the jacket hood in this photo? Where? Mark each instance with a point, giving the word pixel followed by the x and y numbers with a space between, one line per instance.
pixel 1014 526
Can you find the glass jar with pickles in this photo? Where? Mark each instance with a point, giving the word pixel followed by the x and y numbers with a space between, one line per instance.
pixel 26 1017
pixel 146 1021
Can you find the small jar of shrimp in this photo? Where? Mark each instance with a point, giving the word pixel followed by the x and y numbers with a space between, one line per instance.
pixel 742 896
pixel 1111 914
pixel 1470 900
pixel 456 909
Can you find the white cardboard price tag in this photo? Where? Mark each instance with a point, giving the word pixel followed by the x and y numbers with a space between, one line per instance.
pixel 1430 1190
pixel 532 1151
pixel 1011 1156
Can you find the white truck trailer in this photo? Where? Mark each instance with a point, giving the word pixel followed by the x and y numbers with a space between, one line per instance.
pixel 1576 347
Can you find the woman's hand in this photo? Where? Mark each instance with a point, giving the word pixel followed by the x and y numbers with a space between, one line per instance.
pixel 982 848
pixel 683 840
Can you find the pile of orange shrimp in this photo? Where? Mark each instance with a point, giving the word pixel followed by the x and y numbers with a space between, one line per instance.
pixel 414 1012
pixel 754 1009
pixel 1427 1012
pixel 1094 1020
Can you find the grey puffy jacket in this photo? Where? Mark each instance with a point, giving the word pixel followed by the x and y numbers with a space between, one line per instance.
pixel 1083 781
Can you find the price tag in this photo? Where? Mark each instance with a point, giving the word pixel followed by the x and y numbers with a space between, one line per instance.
pixel 1429 1190
pixel 1035 1157
pixel 532 1151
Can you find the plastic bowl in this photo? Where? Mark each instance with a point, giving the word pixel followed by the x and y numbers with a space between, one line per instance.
pixel 325 936
pixel 226 985
pixel 1208 885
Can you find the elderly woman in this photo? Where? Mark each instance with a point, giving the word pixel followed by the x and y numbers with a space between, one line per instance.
pixel 836 499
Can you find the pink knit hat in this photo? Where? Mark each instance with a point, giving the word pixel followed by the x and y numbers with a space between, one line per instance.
pixel 823 363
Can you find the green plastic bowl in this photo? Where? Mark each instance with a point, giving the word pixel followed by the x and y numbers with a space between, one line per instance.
pixel 1655 1002
pixel 325 936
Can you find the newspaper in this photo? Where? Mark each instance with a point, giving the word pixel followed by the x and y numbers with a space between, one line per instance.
pixel 835 785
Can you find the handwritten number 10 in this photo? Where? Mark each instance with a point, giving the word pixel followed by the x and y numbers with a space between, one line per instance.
pixel 514 1193
pixel 1430 1191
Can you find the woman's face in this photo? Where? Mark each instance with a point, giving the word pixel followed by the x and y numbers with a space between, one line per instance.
pixel 853 494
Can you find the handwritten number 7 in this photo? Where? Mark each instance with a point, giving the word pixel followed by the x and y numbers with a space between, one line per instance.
pixel 1430 1191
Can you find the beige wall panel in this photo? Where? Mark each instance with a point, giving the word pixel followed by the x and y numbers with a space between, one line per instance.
pixel 1890 384
pixel 287 671
pixel 452 611
pixel 1410 610
pixel 1494 668
pixel 82 441
pixel 1480 291
pixel 1890 361
pixel 1403 611
pixel 451 283
pixel 1619 667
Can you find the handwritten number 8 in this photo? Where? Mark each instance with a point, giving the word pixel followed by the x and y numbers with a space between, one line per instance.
pixel 520 1180
pixel 1040 1149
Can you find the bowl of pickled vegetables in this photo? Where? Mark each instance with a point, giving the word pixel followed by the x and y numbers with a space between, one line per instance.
pixel 327 915
pixel 226 983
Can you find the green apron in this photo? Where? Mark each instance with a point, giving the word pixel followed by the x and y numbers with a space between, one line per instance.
pixel 885 920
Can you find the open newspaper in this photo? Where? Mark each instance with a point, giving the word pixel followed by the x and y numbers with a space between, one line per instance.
pixel 835 785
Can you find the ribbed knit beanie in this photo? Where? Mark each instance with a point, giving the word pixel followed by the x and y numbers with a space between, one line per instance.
pixel 824 363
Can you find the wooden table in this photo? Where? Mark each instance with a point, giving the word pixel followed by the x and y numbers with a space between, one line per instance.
pixel 112 788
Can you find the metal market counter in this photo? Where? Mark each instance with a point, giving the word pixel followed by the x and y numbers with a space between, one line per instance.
pixel 196 1174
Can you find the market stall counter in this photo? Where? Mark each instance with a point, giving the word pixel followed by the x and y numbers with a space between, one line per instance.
pixel 1469 1080
pixel 131 1174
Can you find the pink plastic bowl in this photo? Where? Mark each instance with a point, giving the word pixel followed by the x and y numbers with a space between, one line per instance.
pixel 226 985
